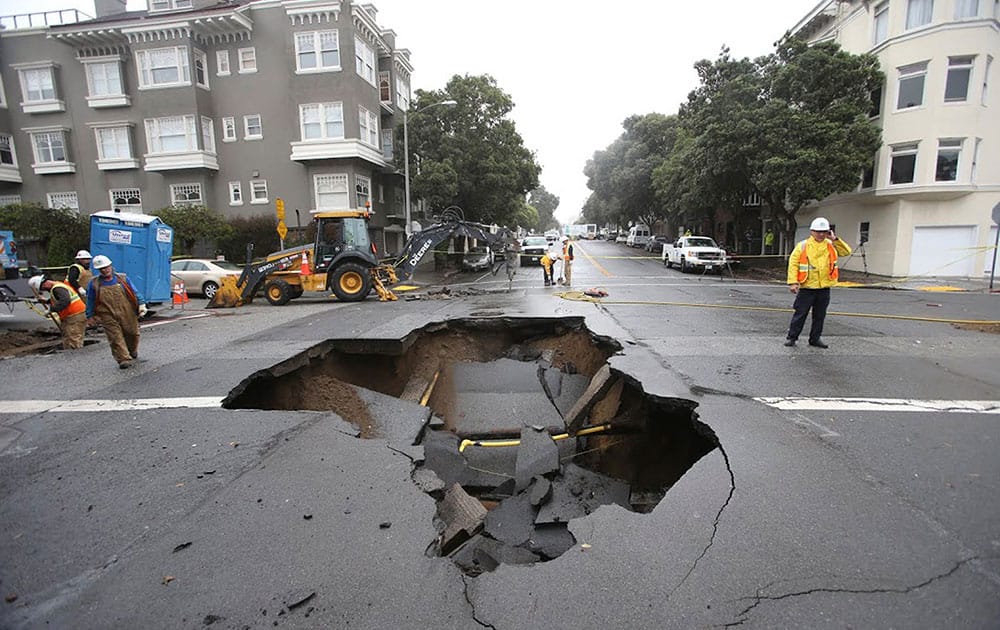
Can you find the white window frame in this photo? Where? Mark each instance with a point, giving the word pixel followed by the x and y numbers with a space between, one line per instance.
pixel 207 134
pixel 186 194
pixel 880 23
pixel 200 59
pixel 144 60
pixel 67 199
pixel 364 61
pixel 104 78
pixel 258 191
pixel 38 84
pixel 975 160
pixel 402 94
pixel 10 200
pixel 156 6
pixel 919 13
pixel 966 9
pixel 964 63
pixel 155 128
pixel 323 121
pixel 909 73
pixel 11 149
pixel 131 199
pixel 949 146
pixel 986 77
pixel 311 43
pixel 248 134
pixel 51 147
pixel 229 129
pixel 120 138
pixel 3 95
pixel 362 191
pixel 899 151
pixel 368 127
pixel 388 143
pixel 222 63
pixel 331 187
pixel 247 58
pixel 235 194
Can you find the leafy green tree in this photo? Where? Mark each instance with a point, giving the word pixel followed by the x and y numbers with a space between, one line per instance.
pixel 59 232
pixel 259 230
pixel 792 126
pixel 545 203
pixel 527 217
pixel 192 224
pixel 470 154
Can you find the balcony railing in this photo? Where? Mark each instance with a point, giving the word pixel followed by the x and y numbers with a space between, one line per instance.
pixel 42 19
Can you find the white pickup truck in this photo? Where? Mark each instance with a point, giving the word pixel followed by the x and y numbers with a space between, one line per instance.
pixel 694 252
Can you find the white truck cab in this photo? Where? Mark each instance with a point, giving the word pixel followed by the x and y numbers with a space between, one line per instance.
pixel 694 252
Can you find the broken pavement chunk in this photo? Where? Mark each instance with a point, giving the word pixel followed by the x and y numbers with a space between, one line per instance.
pixel 536 455
pixel 541 491
pixel 511 521
pixel 599 385
pixel 462 516
pixel 579 492
pixel 550 541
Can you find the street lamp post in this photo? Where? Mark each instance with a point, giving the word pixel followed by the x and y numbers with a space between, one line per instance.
pixel 406 159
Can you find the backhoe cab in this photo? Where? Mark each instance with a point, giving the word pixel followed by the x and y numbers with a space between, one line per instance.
pixel 341 260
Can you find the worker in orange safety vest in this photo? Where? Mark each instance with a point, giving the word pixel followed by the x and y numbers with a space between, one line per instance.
pixel 567 258
pixel 812 270
pixel 65 302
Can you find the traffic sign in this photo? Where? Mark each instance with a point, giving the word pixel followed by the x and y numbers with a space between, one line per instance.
pixel 279 206
pixel 282 230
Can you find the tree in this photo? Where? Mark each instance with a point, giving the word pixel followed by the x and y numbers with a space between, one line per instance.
pixel 545 203
pixel 469 155
pixel 192 224
pixel 792 126
pixel 59 232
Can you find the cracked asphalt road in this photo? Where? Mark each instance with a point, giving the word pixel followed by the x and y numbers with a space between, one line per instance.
pixel 808 518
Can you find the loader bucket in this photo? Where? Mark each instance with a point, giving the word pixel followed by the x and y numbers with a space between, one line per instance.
pixel 228 294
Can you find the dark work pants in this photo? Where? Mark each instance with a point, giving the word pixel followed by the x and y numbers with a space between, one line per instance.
pixel 805 299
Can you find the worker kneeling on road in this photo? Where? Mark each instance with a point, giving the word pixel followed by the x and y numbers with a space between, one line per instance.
pixel 115 303
pixel 65 302
pixel 548 261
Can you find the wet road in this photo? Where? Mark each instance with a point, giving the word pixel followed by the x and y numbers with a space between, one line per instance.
pixel 824 515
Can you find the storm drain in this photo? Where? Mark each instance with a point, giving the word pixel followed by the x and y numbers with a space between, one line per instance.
pixel 523 425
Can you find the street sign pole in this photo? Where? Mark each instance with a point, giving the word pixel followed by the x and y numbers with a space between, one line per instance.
pixel 996 242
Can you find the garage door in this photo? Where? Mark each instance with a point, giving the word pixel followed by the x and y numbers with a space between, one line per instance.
pixel 943 251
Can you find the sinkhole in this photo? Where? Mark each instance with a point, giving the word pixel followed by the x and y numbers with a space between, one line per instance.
pixel 516 426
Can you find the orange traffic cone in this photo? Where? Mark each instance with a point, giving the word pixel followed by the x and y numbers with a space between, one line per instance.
pixel 179 296
pixel 304 268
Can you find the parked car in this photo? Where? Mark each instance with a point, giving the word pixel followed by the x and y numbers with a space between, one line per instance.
pixel 655 244
pixel 532 249
pixel 638 235
pixel 203 275
pixel 477 259
pixel 621 238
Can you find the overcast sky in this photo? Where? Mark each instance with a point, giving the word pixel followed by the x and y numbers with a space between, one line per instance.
pixel 575 69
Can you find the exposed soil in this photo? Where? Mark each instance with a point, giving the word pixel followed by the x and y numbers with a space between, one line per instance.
pixel 984 328
pixel 14 343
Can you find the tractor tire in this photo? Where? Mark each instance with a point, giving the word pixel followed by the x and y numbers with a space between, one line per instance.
pixel 351 282
pixel 297 291
pixel 278 292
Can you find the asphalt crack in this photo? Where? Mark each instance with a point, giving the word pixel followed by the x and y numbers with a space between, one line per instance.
pixel 715 523
pixel 472 606
pixel 759 598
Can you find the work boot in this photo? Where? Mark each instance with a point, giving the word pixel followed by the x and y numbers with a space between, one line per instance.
pixel 818 344
pixel 789 342
pixel 124 364
pixel 134 355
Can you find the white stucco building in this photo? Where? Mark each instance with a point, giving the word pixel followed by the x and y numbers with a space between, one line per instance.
pixel 924 208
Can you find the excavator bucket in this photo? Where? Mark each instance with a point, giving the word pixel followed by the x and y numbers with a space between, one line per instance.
pixel 228 295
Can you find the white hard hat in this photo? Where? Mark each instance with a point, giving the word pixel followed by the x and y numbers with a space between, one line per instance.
pixel 564 238
pixel 820 224
pixel 83 254
pixel 35 282
pixel 101 261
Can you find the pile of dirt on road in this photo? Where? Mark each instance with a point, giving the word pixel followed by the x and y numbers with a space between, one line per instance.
pixel 984 328
pixel 15 343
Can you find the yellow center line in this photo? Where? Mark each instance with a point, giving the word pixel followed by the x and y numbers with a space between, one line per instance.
pixel 593 261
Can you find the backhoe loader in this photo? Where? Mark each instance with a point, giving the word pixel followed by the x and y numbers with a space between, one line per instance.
pixel 342 260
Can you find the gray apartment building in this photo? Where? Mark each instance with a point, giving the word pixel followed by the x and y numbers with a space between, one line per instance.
pixel 229 105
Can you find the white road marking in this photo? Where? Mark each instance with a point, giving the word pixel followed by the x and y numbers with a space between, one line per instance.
pixel 881 404
pixel 174 319
pixel 125 404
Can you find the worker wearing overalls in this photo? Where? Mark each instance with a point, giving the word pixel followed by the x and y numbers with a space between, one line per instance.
pixel 115 303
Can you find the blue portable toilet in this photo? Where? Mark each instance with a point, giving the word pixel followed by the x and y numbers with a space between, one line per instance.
pixel 140 245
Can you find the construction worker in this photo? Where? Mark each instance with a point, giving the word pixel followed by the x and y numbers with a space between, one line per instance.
pixel 769 241
pixel 114 302
pixel 812 270
pixel 65 302
pixel 547 261
pixel 78 274
pixel 567 258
